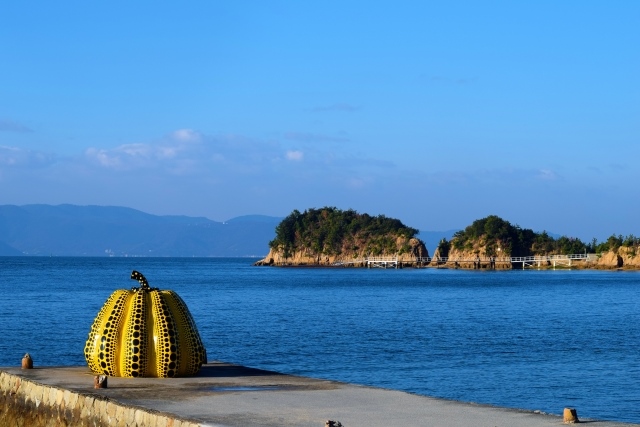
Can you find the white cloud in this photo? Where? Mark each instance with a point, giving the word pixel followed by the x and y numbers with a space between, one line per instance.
pixel 295 155
pixel 185 169
pixel 167 152
pixel 312 137
pixel 9 155
pixel 187 152
pixel 103 157
pixel 19 157
pixel 174 148
pixel 186 135
pixel 547 175
pixel 135 150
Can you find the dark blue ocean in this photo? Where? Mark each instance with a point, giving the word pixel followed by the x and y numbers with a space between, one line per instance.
pixel 537 340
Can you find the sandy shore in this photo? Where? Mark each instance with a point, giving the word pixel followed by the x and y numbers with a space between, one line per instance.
pixel 230 395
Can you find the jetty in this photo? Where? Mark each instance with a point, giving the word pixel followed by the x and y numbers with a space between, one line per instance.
pixel 526 261
pixel 224 394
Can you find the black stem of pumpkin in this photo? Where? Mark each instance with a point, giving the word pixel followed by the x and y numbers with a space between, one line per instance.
pixel 144 285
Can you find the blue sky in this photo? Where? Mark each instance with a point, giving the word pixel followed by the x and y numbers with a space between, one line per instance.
pixel 436 113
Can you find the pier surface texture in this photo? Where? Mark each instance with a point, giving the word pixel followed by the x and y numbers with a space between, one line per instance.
pixel 229 395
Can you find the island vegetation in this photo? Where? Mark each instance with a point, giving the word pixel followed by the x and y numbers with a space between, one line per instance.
pixel 493 236
pixel 324 235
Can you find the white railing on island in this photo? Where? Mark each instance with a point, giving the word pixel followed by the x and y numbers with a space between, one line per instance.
pixel 392 261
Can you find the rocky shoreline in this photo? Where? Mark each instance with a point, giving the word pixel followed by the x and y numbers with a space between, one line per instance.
pixel 621 259
pixel 304 258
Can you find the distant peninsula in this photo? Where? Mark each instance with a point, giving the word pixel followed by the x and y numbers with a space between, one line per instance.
pixel 326 236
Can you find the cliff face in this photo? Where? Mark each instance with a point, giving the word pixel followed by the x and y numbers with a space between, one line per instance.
pixel 468 259
pixel 623 257
pixel 627 258
pixel 407 249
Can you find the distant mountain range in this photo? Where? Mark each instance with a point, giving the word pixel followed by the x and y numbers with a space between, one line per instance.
pixel 71 230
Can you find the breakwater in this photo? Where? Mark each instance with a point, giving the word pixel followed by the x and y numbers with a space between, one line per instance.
pixel 26 402
pixel 224 394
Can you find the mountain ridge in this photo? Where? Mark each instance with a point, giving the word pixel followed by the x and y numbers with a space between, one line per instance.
pixel 92 230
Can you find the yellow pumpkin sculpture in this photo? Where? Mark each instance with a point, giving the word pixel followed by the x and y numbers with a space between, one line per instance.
pixel 144 332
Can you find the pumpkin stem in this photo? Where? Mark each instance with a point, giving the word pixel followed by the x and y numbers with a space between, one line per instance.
pixel 136 275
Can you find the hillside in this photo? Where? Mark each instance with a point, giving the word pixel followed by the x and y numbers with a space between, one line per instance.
pixel 324 236
pixel 70 230
pixel 493 237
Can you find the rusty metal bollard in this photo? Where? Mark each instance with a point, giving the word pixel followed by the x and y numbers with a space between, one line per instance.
pixel 100 381
pixel 570 416
pixel 27 362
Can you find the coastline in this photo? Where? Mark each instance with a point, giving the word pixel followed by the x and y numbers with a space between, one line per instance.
pixel 224 394
pixel 451 266
pixel 619 260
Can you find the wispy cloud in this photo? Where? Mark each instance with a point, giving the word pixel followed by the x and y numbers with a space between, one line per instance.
pixel 339 106
pixel 313 137
pixel 13 126
pixel 176 148
pixel 186 135
pixel 103 157
pixel 547 175
pixel 127 156
pixel 18 157
pixel 186 167
pixel 294 155
pixel 189 152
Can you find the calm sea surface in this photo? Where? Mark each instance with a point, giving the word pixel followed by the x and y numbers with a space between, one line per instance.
pixel 538 340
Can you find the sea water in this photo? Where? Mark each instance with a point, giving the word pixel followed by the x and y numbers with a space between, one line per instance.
pixel 536 340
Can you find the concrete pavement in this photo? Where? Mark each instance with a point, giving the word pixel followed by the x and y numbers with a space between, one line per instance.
pixel 223 394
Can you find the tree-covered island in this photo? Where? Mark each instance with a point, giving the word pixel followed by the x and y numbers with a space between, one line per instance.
pixel 328 235
pixel 494 238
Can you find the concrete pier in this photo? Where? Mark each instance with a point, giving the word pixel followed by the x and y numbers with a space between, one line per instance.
pixel 223 394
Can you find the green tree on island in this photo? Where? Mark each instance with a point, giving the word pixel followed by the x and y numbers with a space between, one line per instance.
pixel 331 231
pixel 493 232
pixel 499 237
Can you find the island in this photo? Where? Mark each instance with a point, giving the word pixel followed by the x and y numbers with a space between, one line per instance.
pixel 495 243
pixel 330 236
